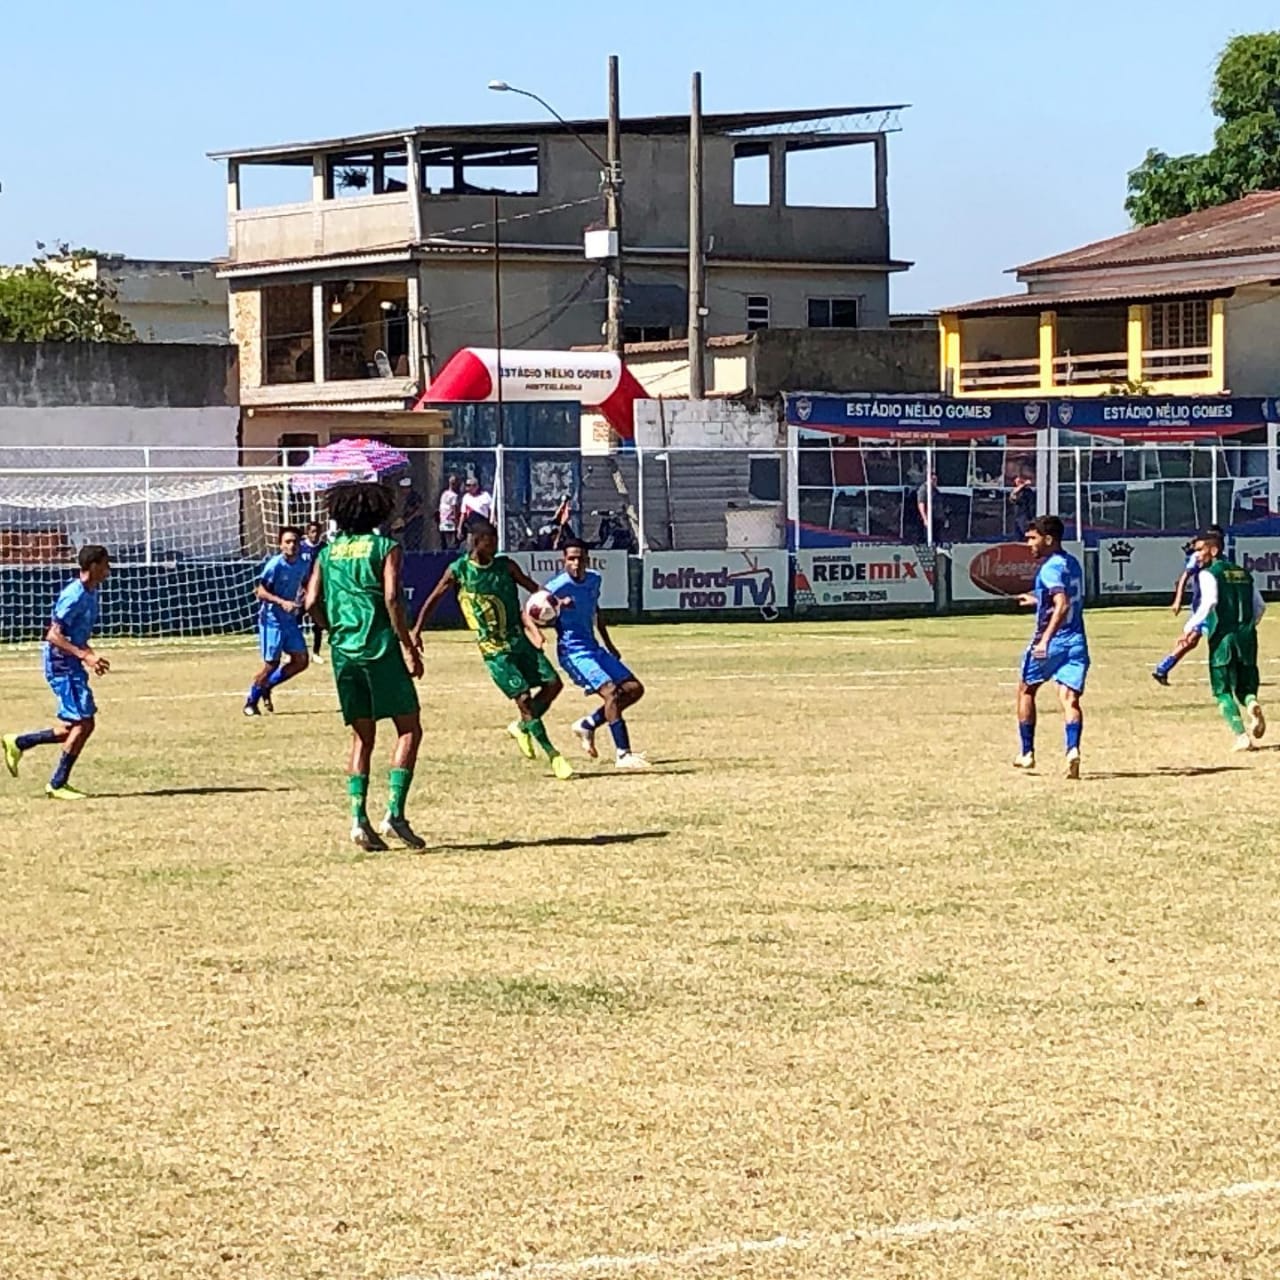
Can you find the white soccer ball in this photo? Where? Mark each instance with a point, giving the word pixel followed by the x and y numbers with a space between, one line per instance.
pixel 542 609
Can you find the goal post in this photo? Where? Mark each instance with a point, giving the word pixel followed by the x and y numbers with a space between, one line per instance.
pixel 186 543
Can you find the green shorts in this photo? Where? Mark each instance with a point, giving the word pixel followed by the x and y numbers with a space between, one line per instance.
pixel 377 690
pixel 520 668
pixel 1233 666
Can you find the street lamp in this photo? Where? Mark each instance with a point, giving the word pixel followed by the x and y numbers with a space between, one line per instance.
pixel 611 185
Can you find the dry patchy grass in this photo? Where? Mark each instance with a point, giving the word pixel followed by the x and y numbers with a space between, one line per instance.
pixel 831 965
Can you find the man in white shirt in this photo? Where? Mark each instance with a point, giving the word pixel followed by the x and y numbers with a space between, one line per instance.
pixel 477 503
pixel 447 513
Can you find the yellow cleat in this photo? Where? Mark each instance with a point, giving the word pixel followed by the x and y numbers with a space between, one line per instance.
pixel 561 768
pixel 523 740
pixel 64 793
pixel 12 754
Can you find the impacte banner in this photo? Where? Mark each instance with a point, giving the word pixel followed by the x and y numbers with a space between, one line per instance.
pixel 715 581
pixel 870 574
pixel 1261 556
pixel 1140 566
pixel 615 591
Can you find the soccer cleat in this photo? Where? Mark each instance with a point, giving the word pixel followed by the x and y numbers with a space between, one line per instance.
pixel 266 702
pixel 400 828
pixel 585 732
pixel 1025 761
pixel 523 740
pixel 1257 721
pixel 1073 764
pixel 1243 743
pixel 561 768
pixel 12 754
pixel 64 793
pixel 631 760
pixel 251 709
pixel 1161 677
pixel 363 836
pixel 318 659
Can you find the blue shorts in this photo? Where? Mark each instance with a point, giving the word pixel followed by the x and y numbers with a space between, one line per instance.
pixel 75 698
pixel 277 637
pixel 1067 664
pixel 592 669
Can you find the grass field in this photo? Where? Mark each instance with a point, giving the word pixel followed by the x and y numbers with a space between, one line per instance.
pixel 829 977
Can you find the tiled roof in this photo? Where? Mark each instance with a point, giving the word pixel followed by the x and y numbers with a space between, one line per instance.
pixel 1250 225
pixel 1120 290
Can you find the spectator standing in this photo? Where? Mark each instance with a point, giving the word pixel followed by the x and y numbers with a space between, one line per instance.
pixel 448 515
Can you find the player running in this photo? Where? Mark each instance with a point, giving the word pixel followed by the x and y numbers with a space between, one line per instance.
pixel 487 584
pixel 1229 612
pixel 1189 639
pixel 281 583
pixel 68 659
pixel 593 665
pixel 1058 649
pixel 308 550
pixel 355 592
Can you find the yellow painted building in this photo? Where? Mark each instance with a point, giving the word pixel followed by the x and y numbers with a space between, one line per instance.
pixel 1187 307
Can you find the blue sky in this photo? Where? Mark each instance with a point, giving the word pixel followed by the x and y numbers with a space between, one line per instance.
pixel 1024 121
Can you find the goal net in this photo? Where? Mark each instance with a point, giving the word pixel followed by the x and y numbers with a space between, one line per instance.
pixel 185 545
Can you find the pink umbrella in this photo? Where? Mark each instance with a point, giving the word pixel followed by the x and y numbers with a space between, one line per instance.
pixel 347 460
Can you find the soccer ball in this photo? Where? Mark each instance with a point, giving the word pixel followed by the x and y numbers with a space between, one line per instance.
pixel 542 609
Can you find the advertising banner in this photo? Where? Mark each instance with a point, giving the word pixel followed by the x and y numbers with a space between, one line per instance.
pixel 715 581
pixel 422 570
pixel 1140 566
pixel 991 571
pixel 1261 556
pixel 615 592
pixel 868 574
pixel 921 417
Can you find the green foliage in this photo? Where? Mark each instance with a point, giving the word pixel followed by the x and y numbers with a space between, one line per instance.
pixel 1246 149
pixel 52 300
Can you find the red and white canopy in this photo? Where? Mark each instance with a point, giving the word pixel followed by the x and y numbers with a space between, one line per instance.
pixel 596 379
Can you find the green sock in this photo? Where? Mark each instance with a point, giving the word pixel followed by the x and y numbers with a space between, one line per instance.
pixel 1230 713
pixel 401 781
pixel 358 790
pixel 538 732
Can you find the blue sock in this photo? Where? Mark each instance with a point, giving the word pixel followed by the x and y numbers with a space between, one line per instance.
pixel 40 738
pixel 596 718
pixel 63 772
pixel 1167 664
pixel 621 738
pixel 255 694
pixel 279 676
pixel 1027 732
pixel 1073 734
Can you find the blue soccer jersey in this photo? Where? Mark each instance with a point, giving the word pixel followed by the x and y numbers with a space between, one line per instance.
pixel 576 626
pixel 1060 574
pixel 76 613
pixel 284 578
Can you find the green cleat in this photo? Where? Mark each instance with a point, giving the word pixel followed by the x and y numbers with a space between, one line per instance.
pixel 12 754
pixel 523 740
pixel 64 793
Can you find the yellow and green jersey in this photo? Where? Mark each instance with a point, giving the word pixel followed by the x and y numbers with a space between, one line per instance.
pixel 489 602
pixel 351 566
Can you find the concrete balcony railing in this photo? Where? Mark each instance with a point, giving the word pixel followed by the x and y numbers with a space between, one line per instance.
pixel 1177 362
pixel 358 225
pixel 999 375
pixel 1110 366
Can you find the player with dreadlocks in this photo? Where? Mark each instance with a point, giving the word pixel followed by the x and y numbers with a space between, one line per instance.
pixel 354 593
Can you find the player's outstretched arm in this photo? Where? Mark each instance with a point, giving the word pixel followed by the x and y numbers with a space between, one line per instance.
pixel 447 581
pixel 313 601
pixel 1178 590
pixel 521 578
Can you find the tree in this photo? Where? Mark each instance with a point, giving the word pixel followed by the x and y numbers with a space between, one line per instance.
pixel 1246 145
pixel 54 300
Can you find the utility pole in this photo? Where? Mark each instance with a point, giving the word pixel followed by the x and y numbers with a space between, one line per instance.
pixel 497 313
pixel 697 265
pixel 613 212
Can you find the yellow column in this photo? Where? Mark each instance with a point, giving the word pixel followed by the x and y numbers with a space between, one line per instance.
pixel 1048 347
pixel 1218 343
pixel 949 351
pixel 1137 341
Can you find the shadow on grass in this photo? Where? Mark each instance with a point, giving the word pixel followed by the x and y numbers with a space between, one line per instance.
pixel 1167 771
pixel 655 769
pixel 160 792
pixel 552 842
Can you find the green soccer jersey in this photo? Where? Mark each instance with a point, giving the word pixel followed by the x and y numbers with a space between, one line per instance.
pixel 1233 614
pixel 490 602
pixel 351 575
